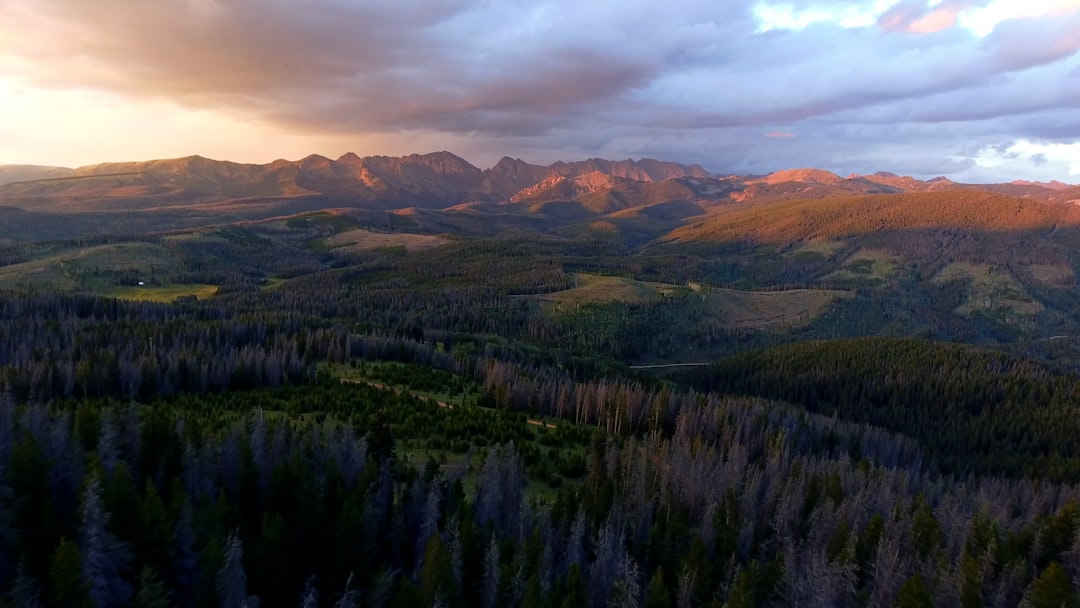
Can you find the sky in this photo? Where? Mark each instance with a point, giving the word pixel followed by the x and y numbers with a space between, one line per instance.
pixel 976 90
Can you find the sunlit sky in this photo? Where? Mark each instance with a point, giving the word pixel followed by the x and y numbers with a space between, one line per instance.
pixel 977 90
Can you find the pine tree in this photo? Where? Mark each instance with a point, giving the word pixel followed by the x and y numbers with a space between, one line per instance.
pixel 534 597
pixel 184 560
pixel 156 534
pixel 152 592
pixel 609 562
pixel 499 490
pixel 627 592
pixel 1053 590
pixel 108 450
pixel 232 579
pixel 657 595
pixel 25 592
pixel 489 594
pixel 575 589
pixel 350 598
pixel 382 588
pixel 915 594
pixel 743 592
pixel 310 597
pixel 66 587
pixel 7 532
pixel 104 558
pixel 437 576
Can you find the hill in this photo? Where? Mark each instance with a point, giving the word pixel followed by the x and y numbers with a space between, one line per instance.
pixel 839 217
pixel 19 173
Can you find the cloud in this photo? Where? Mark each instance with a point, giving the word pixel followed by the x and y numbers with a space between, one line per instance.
pixel 919 17
pixel 354 65
pixel 904 83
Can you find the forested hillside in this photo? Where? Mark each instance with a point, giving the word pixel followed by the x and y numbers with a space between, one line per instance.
pixel 976 410
pixel 627 388
pixel 626 492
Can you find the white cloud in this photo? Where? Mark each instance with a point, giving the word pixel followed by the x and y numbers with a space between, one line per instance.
pixel 788 16
pixel 982 20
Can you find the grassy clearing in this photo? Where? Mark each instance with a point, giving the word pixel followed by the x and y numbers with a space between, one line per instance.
pixel 866 267
pixel 1061 276
pixel 823 247
pixel 606 227
pixel 159 293
pixel 46 273
pixel 771 309
pixel 273 283
pixel 600 289
pixel 991 289
pixel 392 376
pixel 736 308
pixel 87 268
pixel 110 270
pixel 364 240
pixel 337 222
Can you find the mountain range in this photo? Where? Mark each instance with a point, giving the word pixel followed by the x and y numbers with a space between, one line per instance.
pixel 436 192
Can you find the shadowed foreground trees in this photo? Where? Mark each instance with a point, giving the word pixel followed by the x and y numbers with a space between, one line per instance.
pixel 735 505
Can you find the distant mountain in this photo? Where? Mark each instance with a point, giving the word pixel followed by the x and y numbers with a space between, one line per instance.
pixel 1052 185
pixel 437 180
pixel 18 173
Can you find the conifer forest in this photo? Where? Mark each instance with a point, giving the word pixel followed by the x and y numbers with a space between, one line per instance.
pixel 260 413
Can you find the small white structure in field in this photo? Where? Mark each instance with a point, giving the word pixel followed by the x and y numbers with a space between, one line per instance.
pixel 141 283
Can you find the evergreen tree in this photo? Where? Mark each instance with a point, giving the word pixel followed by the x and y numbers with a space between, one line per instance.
pixel 489 593
pixel 437 576
pixel 350 598
pixel 575 589
pixel 152 592
pixel 534 596
pixel 7 532
pixel 915 594
pixel 66 586
pixel 743 592
pixel 382 588
pixel 1053 589
pixel 104 558
pixel 657 595
pixel 25 592
pixel 232 579
pixel 310 597
pixel 184 560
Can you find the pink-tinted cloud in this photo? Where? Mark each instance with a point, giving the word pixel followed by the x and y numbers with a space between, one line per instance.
pixel 917 17
pixel 780 135
pixel 935 21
